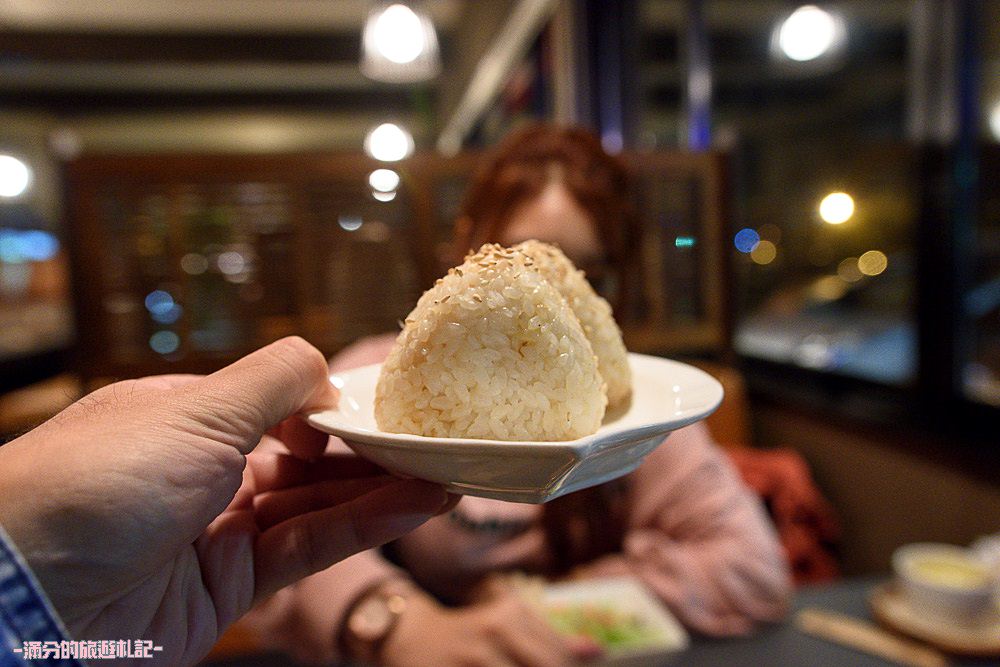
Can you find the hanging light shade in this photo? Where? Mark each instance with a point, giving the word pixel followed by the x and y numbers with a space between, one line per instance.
pixel 399 44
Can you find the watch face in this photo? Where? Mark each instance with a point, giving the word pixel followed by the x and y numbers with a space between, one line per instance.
pixel 371 620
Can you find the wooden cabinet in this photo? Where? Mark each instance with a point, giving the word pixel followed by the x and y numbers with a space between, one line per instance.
pixel 181 263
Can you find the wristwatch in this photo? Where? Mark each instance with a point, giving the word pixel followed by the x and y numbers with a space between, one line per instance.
pixel 373 618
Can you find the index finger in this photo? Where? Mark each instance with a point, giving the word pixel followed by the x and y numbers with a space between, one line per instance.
pixel 311 542
pixel 273 471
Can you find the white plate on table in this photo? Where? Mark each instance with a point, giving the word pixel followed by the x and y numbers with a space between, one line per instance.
pixel 666 395
pixel 647 631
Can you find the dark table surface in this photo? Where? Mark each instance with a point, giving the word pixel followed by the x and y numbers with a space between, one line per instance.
pixel 781 645
pixel 785 646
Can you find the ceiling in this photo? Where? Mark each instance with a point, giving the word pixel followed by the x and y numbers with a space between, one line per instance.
pixel 92 55
pixel 112 67
pixel 199 16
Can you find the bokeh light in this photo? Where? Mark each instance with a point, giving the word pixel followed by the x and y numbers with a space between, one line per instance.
pixel 848 270
pixel 746 240
pixel 383 196
pixel 231 263
pixel 398 34
pixel 159 302
pixel 194 264
pixel 168 316
pixel 995 121
pixel 164 342
pixel 65 143
pixel 15 176
pixel 27 245
pixel 836 208
pixel 389 143
pixel 764 252
pixel 350 223
pixel 828 288
pixel 685 242
pixel 808 33
pixel 873 262
pixel 383 180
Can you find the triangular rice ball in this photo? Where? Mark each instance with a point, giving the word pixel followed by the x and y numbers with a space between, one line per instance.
pixel 491 351
pixel 594 313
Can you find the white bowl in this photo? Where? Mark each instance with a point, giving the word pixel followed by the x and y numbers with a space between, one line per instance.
pixel 666 395
pixel 944 581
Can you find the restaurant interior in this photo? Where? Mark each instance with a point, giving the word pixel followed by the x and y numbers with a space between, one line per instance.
pixel 182 182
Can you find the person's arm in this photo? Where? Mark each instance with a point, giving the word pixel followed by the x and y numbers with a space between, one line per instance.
pixel 145 510
pixel 700 540
pixel 29 626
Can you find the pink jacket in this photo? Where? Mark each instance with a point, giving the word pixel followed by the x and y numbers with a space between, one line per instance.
pixel 696 536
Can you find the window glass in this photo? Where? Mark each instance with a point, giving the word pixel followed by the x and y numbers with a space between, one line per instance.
pixel 981 371
pixel 811 108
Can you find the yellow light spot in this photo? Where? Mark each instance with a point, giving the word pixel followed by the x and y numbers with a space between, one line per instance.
pixel 848 270
pixel 873 262
pixel 836 208
pixel 828 288
pixel 764 253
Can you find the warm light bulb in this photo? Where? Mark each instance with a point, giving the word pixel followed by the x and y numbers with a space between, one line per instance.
pixel 14 176
pixel 399 44
pixel 398 34
pixel 389 142
pixel 383 180
pixel 836 208
pixel 808 33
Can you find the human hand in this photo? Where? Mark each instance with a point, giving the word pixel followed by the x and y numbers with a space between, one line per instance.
pixel 143 513
pixel 504 631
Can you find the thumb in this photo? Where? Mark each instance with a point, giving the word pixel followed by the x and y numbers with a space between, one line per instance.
pixel 245 399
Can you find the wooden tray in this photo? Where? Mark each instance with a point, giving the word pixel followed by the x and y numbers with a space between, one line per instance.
pixel 891 608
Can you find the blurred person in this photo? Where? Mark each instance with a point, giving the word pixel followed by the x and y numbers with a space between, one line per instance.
pixel 142 511
pixel 683 523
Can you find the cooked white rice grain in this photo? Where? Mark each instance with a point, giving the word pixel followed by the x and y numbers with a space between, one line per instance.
pixel 491 351
pixel 594 313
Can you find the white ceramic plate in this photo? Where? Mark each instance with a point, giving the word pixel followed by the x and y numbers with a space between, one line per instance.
pixel 666 395
pixel 662 632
